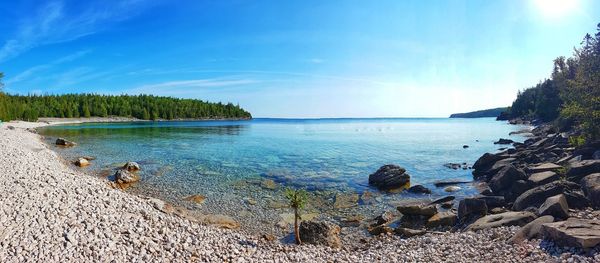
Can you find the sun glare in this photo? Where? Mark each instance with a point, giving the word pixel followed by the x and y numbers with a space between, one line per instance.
pixel 555 8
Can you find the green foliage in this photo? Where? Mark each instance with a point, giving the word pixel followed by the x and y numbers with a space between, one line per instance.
pixel 577 141
pixel 146 107
pixel 571 96
pixel 296 197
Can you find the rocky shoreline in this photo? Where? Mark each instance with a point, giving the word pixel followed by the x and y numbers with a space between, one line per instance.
pixel 51 213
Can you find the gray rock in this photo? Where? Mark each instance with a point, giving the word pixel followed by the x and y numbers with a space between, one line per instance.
pixel 131 166
pixel 555 206
pixel 544 167
pixel 407 232
pixel 543 177
pixel 389 177
pixel 591 187
pixel 320 233
pixel 504 141
pixel 505 177
pixel 443 200
pixel 452 188
pixel 63 142
pixel 442 219
pixel 124 176
pixel 578 170
pixel 384 218
pixel 532 230
pixel 573 232
pixel 492 201
pixel 471 208
pixel 504 219
pixel 417 210
pixel 536 196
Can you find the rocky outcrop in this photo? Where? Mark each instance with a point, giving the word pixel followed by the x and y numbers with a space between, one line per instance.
pixel 503 219
pixel 536 196
pixel 532 230
pixel 132 166
pixel 578 170
pixel 470 209
pixel 573 232
pixel 320 233
pixel 591 187
pixel 63 142
pixel 555 206
pixel 389 177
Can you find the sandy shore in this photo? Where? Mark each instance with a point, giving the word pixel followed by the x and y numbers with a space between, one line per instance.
pixel 50 213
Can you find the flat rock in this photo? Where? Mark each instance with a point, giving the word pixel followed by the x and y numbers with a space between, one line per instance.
pixel 543 177
pixel 532 230
pixel 555 206
pixel 504 219
pixel 442 219
pixel 580 169
pixel 407 232
pixel 418 210
pixel 573 232
pixel 419 189
pixel 544 167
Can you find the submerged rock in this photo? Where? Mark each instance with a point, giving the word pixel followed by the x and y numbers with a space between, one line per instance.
pixel 417 210
pixel 320 233
pixel 419 189
pixel 131 166
pixel 574 232
pixel 63 142
pixel 504 141
pixel 197 198
pixel 345 200
pixel 389 177
pixel 452 188
pixel 268 184
pixel 126 177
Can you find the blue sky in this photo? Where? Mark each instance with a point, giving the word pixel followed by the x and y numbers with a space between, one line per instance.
pixel 294 58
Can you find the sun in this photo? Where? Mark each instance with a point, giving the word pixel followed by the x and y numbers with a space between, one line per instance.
pixel 555 8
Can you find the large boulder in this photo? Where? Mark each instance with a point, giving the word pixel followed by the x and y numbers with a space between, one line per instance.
pixel 543 177
pixel 555 206
pixel 503 219
pixel 505 177
pixel 131 166
pixel 573 232
pixel 591 187
pixel 471 208
pixel 532 230
pixel 126 177
pixel 536 196
pixel 486 161
pixel 63 142
pixel 580 169
pixel 492 201
pixel 320 233
pixel 389 177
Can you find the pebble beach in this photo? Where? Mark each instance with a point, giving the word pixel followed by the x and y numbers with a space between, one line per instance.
pixel 51 213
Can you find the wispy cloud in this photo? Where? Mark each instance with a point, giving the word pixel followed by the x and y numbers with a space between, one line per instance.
pixel 26 74
pixel 187 86
pixel 56 23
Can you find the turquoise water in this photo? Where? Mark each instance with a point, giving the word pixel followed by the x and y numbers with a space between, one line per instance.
pixel 227 160
pixel 315 154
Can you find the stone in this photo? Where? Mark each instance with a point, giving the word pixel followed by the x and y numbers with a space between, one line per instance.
pixel 441 219
pixel 443 200
pixel 419 189
pixel 573 232
pixel 465 146
pixel 578 170
pixel 555 206
pixel 451 182
pixel 591 187
pixel 380 229
pixel 417 210
pixel 536 196
pixel 131 166
pixel 492 201
pixel 197 198
pixel 161 205
pixel 63 142
pixel 81 162
pixel 126 177
pixel 407 232
pixel 320 233
pixel 576 199
pixel 343 200
pixel 532 230
pixel 471 208
pixel 268 184
pixel 543 177
pixel 504 219
pixel 452 188
pixel 505 177
pixel 504 141
pixel 389 177
pixel 544 167
pixel 384 218
pixel 221 221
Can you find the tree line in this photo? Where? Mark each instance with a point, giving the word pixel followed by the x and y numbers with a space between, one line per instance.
pixel 145 107
pixel 570 97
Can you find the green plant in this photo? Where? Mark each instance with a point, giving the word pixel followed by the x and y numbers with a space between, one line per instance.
pixel 297 199
pixel 577 141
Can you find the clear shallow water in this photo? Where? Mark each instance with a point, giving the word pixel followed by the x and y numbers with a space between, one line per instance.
pixel 325 156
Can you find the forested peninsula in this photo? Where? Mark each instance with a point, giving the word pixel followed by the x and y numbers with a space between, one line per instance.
pixel 145 107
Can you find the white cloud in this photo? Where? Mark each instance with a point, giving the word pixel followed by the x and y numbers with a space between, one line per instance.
pixel 26 74
pixel 184 86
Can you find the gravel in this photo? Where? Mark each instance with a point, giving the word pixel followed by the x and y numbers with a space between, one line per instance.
pixel 50 213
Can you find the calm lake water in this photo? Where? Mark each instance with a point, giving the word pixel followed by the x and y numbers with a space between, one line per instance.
pixel 209 157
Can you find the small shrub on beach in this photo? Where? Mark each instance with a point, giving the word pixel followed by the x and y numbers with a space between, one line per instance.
pixel 297 199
